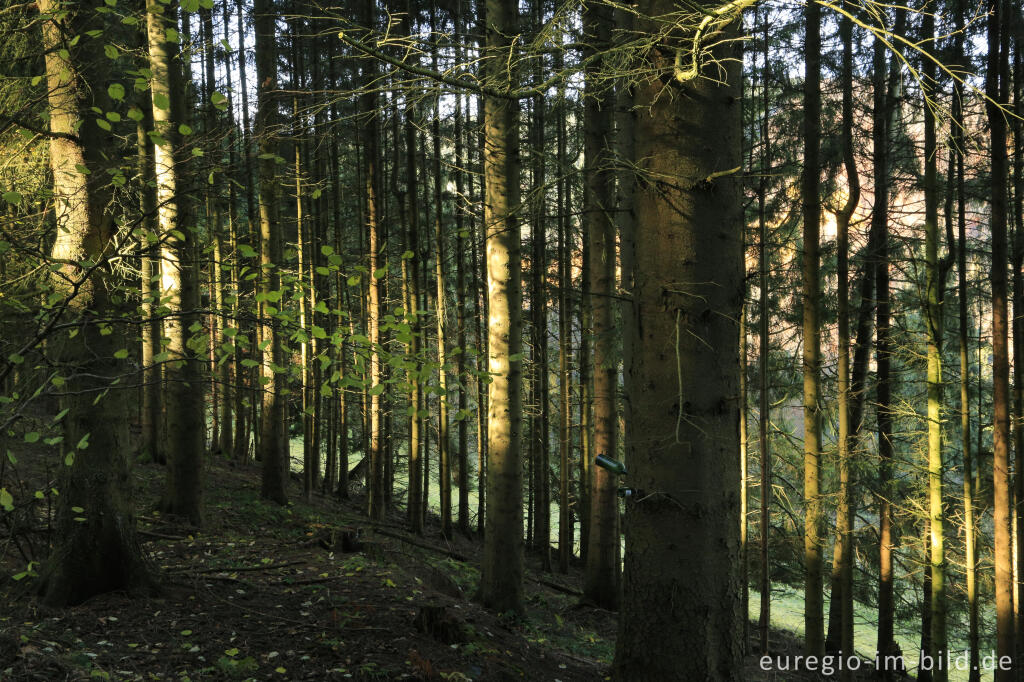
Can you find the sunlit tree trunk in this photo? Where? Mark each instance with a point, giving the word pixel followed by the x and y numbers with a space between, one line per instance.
pixel 152 326
pixel 681 615
pixel 179 288
pixel 811 206
pixel 273 445
pixel 842 564
pixel 501 579
pixel 935 283
pixel 369 134
pixel 100 553
pixel 441 316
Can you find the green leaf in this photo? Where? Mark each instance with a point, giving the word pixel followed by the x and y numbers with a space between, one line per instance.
pixel 135 114
pixel 116 91
pixel 31 436
pixel 246 251
pixel 69 459
pixel 36 79
pixel 326 250
pixel 110 51
pixel 103 124
pixel 190 5
pixel 6 500
pixel 407 255
pixel 319 333
pixel 77 510
pixel 160 101
pixel 12 197
pixel 171 36
pixel 354 280
pixel 83 443
pixel 113 116
pixel 185 130
pixel 60 415
pixel 121 354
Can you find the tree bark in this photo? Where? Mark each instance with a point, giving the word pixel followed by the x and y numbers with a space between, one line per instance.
pixel 273 445
pixel 96 549
pixel 179 290
pixel 601 579
pixel 501 580
pixel 681 614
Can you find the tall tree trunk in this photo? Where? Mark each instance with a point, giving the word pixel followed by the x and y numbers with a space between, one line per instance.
pixel 935 284
pixel 440 299
pixel 410 276
pixel 842 564
pixel 886 645
pixel 100 553
pixel 462 239
pixel 501 580
pixel 1018 319
pixel 681 614
pixel 539 430
pixel 179 287
pixel 970 534
pixel 811 202
pixel 369 134
pixel 273 445
pixel 601 580
pixel 996 91
pixel 566 527
pixel 764 612
pixel 152 326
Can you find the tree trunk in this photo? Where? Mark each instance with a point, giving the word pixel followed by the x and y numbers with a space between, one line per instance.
pixel 369 134
pixel 814 643
pixel 681 614
pixel 842 565
pixel 152 326
pixel 601 580
pixel 273 445
pixel 886 645
pixel 501 580
pixel 96 549
pixel 179 288
pixel 996 91
pixel 764 612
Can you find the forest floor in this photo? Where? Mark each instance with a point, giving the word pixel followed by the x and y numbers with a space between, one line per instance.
pixel 270 593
